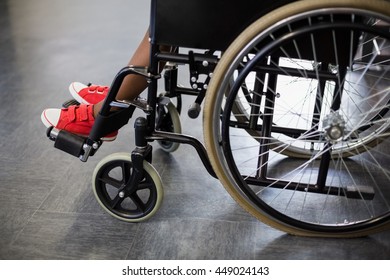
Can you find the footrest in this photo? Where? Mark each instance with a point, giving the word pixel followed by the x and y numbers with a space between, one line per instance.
pixel 137 103
pixel 72 144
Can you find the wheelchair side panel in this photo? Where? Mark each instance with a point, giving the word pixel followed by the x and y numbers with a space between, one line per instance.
pixel 205 24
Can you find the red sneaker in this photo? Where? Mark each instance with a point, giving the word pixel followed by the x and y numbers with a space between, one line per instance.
pixel 91 94
pixel 75 119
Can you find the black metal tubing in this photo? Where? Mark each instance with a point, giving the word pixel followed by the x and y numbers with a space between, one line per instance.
pixel 151 134
pixel 173 88
pixel 185 59
pixel 117 82
pixel 186 91
pixel 310 74
pixel 262 165
pixel 363 193
pixel 291 132
pixel 154 69
pixel 324 166
pixel 108 120
pixel 185 139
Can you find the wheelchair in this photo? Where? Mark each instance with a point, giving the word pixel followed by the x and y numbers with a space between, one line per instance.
pixel 295 98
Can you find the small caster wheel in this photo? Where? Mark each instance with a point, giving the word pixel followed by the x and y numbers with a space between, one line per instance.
pixel 176 101
pixel 168 120
pixel 109 179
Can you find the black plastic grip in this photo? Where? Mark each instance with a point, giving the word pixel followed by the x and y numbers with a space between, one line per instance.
pixel 70 143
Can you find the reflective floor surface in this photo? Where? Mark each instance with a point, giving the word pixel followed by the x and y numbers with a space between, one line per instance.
pixel 47 206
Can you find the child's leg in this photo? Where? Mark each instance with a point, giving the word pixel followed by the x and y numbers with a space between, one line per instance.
pixel 133 85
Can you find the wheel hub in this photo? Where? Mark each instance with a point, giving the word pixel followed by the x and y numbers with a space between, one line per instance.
pixel 334 126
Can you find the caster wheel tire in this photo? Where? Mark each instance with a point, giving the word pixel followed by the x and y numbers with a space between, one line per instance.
pixel 168 119
pixel 109 179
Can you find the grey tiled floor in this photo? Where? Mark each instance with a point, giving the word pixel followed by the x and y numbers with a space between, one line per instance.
pixel 47 208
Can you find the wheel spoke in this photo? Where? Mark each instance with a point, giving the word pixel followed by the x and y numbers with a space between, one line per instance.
pixel 138 202
pixel 116 202
pixel 107 180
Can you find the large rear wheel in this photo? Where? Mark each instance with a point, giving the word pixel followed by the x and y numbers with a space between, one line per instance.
pixel 310 81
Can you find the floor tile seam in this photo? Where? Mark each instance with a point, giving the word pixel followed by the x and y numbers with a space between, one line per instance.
pixel 31 217
pixel 132 243
pixel 70 212
pixel 47 212
pixel 161 171
pixel 206 219
pixel 57 185
pixel 47 196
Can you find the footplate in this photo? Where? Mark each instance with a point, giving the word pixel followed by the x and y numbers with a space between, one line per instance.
pixel 72 144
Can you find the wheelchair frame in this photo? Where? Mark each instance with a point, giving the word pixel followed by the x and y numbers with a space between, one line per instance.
pixel 204 64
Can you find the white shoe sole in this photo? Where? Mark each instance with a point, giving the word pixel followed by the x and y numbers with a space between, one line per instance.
pixel 74 90
pixel 50 117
